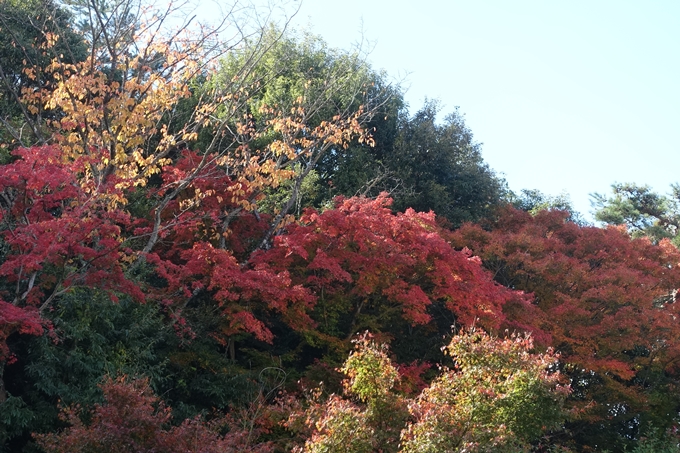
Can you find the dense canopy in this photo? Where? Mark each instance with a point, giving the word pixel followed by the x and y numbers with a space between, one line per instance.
pixel 237 239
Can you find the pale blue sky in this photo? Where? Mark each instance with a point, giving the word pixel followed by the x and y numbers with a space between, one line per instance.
pixel 564 95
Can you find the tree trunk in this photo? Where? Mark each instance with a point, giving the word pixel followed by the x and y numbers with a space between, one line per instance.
pixel 3 392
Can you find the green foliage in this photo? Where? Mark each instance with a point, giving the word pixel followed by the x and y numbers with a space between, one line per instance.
pixel 534 201
pixel 370 372
pixel 423 164
pixel 15 418
pixel 274 198
pixel 25 29
pixel 371 378
pixel 344 427
pixel 371 415
pixel 656 442
pixel 499 398
pixel 91 337
pixel 94 337
pixel 444 167
pixel 285 71
pixel 644 212
pixel 365 170
pixel 306 68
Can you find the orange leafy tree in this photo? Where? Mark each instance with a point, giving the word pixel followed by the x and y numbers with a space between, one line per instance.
pixel 607 303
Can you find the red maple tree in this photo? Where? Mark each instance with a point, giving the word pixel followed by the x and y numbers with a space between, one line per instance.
pixel 605 300
pixel 369 267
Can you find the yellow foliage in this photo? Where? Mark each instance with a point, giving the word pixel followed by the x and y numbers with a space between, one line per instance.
pixel 98 111
pixel 111 110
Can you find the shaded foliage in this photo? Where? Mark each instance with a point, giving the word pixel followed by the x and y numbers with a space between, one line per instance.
pixel 444 167
pixel 134 420
pixel 423 164
pixel 33 32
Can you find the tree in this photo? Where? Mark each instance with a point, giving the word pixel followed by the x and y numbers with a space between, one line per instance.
pixel 602 302
pixel 362 170
pixel 421 163
pixel 444 167
pixel 134 420
pixel 371 414
pixel 391 273
pixel 302 74
pixel 499 397
pixel 32 33
pixel 534 201
pixel 644 212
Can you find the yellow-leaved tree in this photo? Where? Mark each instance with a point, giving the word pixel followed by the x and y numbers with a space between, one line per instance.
pixel 148 90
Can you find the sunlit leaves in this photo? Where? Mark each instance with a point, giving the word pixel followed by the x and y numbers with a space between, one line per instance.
pixel 500 397
pixel 363 260
pixel 370 371
pixel 59 233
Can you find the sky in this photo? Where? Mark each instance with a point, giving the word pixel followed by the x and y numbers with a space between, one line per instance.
pixel 565 96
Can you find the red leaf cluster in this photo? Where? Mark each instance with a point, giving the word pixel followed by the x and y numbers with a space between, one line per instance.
pixel 61 231
pixel 605 299
pixel 361 256
pixel 55 220
pixel 134 420
pixel 14 319
pixel 237 291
